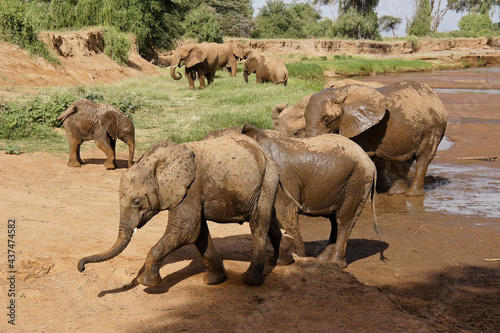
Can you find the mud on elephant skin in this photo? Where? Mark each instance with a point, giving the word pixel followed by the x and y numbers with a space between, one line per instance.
pixel 229 179
pixel 396 125
pixel 329 176
pixel 200 60
pixel 266 69
pixel 86 120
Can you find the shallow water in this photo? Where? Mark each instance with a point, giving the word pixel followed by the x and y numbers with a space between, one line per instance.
pixel 464 190
pixel 468 91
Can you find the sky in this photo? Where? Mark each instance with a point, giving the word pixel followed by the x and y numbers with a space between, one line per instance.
pixel 398 8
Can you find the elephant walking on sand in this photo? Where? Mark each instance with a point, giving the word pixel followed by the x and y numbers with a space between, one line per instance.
pixel 266 69
pixel 329 176
pixel 200 61
pixel 228 179
pixel 86 120
pixel 395 124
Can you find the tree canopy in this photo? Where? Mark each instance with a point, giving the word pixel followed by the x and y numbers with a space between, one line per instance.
pixel 389 23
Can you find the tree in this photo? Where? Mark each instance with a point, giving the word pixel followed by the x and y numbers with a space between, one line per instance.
pixel 473 6
pixel 202 23
pixel 276 19
pixel 357 18
pixel 388 22
pixel 420 24
pixel 438 13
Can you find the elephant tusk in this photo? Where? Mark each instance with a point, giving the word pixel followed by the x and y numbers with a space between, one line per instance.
pixel 135 230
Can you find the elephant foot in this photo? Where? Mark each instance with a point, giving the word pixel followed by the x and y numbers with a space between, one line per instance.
pixel 74 164
pixel 149 280
pixel 253 279
pixel 340 262
pixel 399 187
pixel 212 278
pixel 109 165
pixel 327 254
pixel 415 192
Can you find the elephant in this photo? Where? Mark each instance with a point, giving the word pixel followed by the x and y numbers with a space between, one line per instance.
pixel 396 125
pixel 86 120
pixel 266 69
pixel 229 53
pixel 228 179
pixel 199 59
pixel 345 82
pixel 327 175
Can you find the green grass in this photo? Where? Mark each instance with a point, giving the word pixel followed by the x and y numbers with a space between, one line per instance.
pixel 345 65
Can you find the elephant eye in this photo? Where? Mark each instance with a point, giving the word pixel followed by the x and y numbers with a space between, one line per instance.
pixel 297 133
pixel 136 202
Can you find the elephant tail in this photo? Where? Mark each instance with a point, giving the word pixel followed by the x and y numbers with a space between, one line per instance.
pixel 296 203
pixel 376 226
pixel 70 110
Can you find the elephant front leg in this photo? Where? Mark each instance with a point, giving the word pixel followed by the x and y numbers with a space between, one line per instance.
pixel 288 217
pixel 202 80
pixel 216 273
pixel 282 252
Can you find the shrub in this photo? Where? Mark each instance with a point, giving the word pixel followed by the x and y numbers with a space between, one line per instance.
pixel 475 23
pixel 355 25
pixel 203 24
pixel 117 45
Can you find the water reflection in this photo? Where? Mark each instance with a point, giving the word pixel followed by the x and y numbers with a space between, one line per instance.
pixel 464 190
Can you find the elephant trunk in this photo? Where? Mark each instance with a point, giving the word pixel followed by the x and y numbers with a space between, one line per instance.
pixel 245 76
pixel 175 63
pixel 124 236
pixel 131 147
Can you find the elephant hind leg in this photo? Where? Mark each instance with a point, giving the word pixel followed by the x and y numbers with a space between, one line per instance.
pixel 216 273
pixel 421 166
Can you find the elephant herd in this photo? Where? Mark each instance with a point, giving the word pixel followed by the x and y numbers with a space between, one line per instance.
pixel 325 157
pixel 203 60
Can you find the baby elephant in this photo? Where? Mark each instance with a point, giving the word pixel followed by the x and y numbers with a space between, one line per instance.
pixel 266 69
pixel 329 176
pixel 228 179
pixel 86 120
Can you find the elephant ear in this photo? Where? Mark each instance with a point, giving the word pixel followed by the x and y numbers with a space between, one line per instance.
pixel 196 56
pixel 238 51
pixel 109 121
pixel 175 170
pixel 363 107
pixel 276 113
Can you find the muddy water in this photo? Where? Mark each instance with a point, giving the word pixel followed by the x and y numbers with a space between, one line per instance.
pixel 471 96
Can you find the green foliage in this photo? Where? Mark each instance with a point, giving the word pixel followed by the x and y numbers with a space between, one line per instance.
pixel 88 13
pixel 420 24
pixel 305 70
pixel 34 118
pixel 413 40
pixel 389 23
pixel 473 6
pixel 12 150
pixel 203 24
pixel 475 23
pixel 117 45
pixel 276 19
pixel 353 24
pixel 16 28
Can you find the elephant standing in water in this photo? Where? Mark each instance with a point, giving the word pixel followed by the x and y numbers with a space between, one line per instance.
pixel 229 179
pixel 395 124
pixel 86 120
pixel 200 60
pixel 328 176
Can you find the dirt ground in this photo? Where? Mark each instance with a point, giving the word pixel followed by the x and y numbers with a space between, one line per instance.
pixel 434 271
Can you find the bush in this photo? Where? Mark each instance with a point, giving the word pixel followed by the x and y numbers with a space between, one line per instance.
pixel 15 28
pixel 358 26
pixel 421 23
pixel 33 119
pixel 202 23
pixel 475 23
pixel 117 45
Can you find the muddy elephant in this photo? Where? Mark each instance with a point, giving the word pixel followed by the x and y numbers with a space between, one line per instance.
pixel 86 120
pixel 228 179
pixel 266 69
pixel 346 82
pixel 396 125
pixel 230 53
pixel 200 60
pixel 329 176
